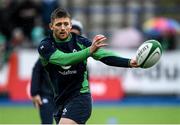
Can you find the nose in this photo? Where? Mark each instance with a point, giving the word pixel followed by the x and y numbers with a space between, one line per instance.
pixel 62 27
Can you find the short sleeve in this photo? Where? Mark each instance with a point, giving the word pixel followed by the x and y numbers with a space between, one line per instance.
pixel 46 49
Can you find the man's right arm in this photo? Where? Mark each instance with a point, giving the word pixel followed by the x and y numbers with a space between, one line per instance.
pixel 52 55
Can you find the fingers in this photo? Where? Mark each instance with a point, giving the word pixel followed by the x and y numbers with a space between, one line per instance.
pixel 37 101
pixel 98 37
pixel 133 63
pixel 40 102
pixel 100 42
pixel 36 105
pixel 102 45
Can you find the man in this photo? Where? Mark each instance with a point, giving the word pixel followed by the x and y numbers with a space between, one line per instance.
pixel 64 56
pixel 77 27
pixel 41 91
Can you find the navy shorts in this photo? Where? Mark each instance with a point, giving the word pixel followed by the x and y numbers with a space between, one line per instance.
pixel 77 108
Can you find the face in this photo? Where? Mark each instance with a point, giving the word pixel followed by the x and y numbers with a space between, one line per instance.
pixel 61 27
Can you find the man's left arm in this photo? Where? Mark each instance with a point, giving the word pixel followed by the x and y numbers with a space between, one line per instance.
pixel 112 59
pixel 108 57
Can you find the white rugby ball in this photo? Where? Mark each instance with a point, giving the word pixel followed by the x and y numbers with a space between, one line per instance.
pixel 149 53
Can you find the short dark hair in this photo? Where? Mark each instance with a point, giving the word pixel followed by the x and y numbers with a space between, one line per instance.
pixel 59 13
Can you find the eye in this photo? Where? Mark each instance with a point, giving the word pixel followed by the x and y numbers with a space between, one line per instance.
pixel 58 24
pixel 66 24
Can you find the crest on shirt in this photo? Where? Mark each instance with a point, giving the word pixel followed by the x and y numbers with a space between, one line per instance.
pixel 74 50
pixel 64 111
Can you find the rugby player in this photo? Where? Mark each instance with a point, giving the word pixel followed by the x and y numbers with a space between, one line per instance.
pixel 64 56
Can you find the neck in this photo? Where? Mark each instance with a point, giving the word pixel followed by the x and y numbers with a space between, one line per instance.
pixel 62 40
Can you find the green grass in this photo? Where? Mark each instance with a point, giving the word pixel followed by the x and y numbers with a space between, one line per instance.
pixel 19 115
pixel 136 115
pixel 102 115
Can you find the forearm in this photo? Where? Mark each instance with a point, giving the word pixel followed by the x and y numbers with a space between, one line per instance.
pixel 116 61
pixel 35 88
pixel 35 80
pixel 111 59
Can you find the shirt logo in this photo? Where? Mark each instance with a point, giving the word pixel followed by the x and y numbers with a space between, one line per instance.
pixel 74 50
pixel 64 111
pixel 68 72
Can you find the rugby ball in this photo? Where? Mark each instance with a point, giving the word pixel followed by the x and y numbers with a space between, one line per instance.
pixel 149 53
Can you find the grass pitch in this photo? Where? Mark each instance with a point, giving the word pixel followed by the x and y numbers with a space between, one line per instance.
pixel 100 115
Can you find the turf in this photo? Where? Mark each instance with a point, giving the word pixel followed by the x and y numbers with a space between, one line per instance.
pixel 18 115
pixel 101 115
pixel 136 115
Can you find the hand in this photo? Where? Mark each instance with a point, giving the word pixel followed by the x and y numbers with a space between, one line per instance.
pixel 37 101
pixel 98 41
pixel 133 63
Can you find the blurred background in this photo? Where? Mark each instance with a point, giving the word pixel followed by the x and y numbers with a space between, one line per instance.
pixel 120 95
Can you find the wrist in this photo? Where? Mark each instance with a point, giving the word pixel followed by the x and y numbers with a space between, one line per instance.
pixel 91 50
pixel 129 63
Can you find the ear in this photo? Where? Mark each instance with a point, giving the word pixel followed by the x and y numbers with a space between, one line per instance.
pixel 71 25
pixel 50 26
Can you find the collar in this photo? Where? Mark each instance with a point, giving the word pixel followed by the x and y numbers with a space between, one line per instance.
pixel 62 41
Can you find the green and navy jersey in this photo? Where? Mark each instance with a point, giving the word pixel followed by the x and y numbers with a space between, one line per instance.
pixel 66 63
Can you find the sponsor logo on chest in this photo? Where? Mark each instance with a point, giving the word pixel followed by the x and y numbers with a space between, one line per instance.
pixel 66 68
pixel 68 72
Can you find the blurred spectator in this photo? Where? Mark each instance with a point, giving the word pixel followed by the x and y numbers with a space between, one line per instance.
pixel 164 30
pixel 37 34
pixel 7 8
pixel 47 7
pixel 168 42
pixel 77 27
pixel 41 27
pixel 26 15
pixel 2 49
pixel 17 37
